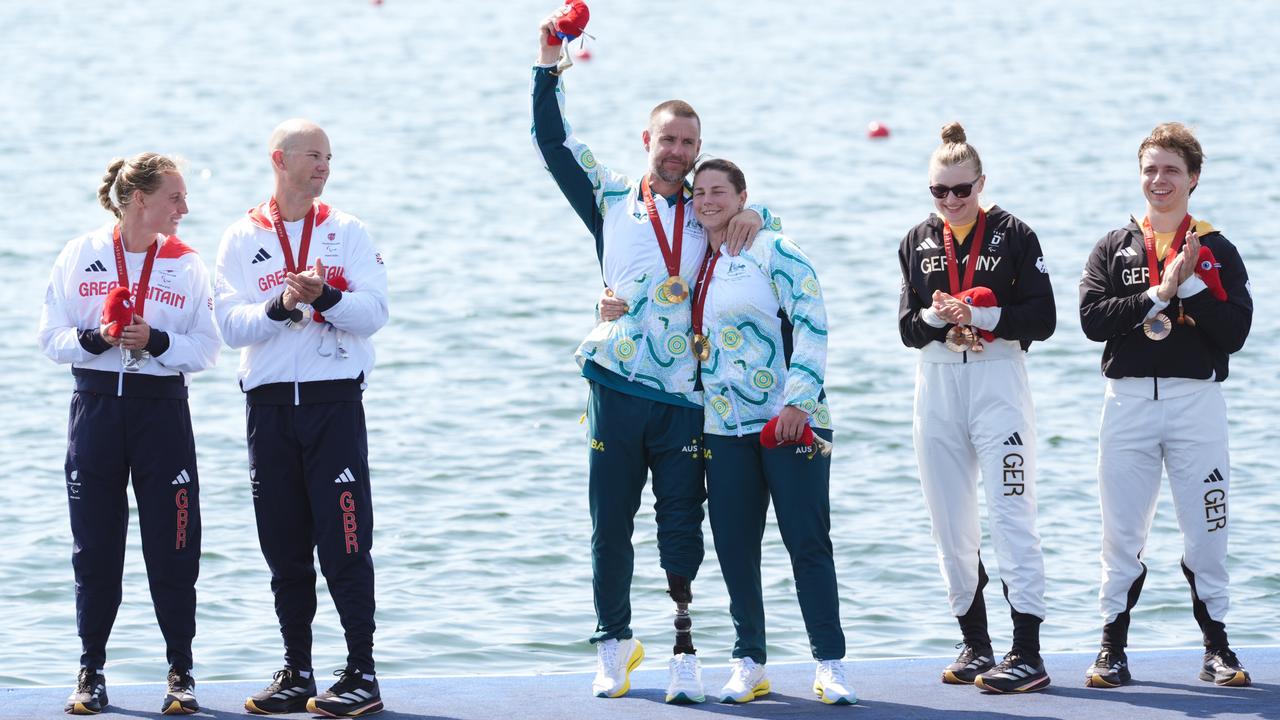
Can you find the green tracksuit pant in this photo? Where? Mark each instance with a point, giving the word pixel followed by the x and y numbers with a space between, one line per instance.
pixel 742 477
pixel 631 436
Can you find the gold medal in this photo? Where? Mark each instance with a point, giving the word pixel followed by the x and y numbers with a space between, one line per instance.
pixel 976 341
pixel 701 347
pixel 959 339
pixel 1158 327
pixel 675 289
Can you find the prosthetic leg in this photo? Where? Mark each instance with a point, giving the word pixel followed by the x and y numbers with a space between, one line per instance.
pixel 681 591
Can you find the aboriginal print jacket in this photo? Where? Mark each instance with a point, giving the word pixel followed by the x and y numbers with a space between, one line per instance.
pixel 767 326
pixel 647 351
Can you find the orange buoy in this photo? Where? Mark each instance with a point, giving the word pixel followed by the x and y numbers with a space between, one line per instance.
pixel 877 130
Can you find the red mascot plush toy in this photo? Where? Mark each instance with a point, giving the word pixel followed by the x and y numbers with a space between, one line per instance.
pixel 769 438
pixel 339 282
pixel 1207 268
pixel 571 21
pixel 980 296
pixel 117 312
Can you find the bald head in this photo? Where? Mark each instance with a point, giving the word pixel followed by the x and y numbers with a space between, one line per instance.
pixel 300 156
pixel 288 133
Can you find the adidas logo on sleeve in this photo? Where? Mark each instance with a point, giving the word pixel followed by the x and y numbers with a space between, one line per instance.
pixel 345 477
pixel 1014 439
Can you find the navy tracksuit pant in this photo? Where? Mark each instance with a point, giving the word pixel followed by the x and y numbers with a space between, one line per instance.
pixel 144 434
pixel 629 437
pixel 742 476
pixel 309 470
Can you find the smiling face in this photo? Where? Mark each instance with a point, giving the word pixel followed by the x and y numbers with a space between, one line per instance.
pixel 673 143
pixel 160 211
pixel 715 199
pixel 1166 183
pixel 957 210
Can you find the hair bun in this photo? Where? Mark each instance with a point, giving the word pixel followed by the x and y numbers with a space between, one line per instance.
pixel 953 133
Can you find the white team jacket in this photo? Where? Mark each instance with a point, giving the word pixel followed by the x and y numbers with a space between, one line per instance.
pixel 178 303
pixel 250 274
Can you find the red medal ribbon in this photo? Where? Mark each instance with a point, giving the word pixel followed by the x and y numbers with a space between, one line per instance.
pixel 670 253
pixel 308 223
pixel 700 292
pixel 1155 268
pixel 975 249
pixel 122 271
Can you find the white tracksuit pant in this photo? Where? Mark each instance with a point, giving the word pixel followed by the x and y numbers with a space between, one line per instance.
pixel 1186 432
pixel 973 417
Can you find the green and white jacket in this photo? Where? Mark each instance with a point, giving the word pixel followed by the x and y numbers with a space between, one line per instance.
pixel 646 352
pixel 767 325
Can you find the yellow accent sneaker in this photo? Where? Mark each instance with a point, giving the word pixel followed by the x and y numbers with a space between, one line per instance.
pixel 615 659
pixel 830 684
pixel 747 681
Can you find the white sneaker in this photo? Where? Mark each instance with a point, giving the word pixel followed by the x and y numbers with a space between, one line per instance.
pixel 746 682
pixel 615 659
pixel 686 679
pixel 830 685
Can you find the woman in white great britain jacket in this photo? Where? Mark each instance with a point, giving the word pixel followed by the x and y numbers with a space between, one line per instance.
pixel 973 309
pixel 129 414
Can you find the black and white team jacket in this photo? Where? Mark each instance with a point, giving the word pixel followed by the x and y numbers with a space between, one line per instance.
pixel 1114 303
pixel 1011 264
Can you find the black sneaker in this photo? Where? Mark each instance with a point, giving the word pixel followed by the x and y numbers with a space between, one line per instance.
pixel 181 697
pixel 1014 675
pixel 352 696
pixel 90 695
pixel 287 693
pixel 1221 667
pixel 969 665
pixel 1110 669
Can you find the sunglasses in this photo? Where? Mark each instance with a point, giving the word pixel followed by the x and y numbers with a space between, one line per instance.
pixel 962 191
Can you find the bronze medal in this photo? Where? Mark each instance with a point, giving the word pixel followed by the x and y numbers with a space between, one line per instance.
pixel 1157 328
pixel 959 339
pixel 975 340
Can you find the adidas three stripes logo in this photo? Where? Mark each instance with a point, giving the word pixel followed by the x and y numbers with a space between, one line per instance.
pixel 1014 439
pixel 260 256
pixel 96 266
pixel 345 477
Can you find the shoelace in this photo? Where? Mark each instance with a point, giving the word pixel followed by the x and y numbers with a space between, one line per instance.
pixel 1105 658
pixel 84 683
pixel 686 668
pixel 1010 660
pixel 743 669
pixel 608 655
pixel 1227 657
pixel 278 680
pixel 346 677
pixel 179 681
pixel 833 670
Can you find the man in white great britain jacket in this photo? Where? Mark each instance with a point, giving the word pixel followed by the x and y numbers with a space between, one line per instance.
pixel 301 288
